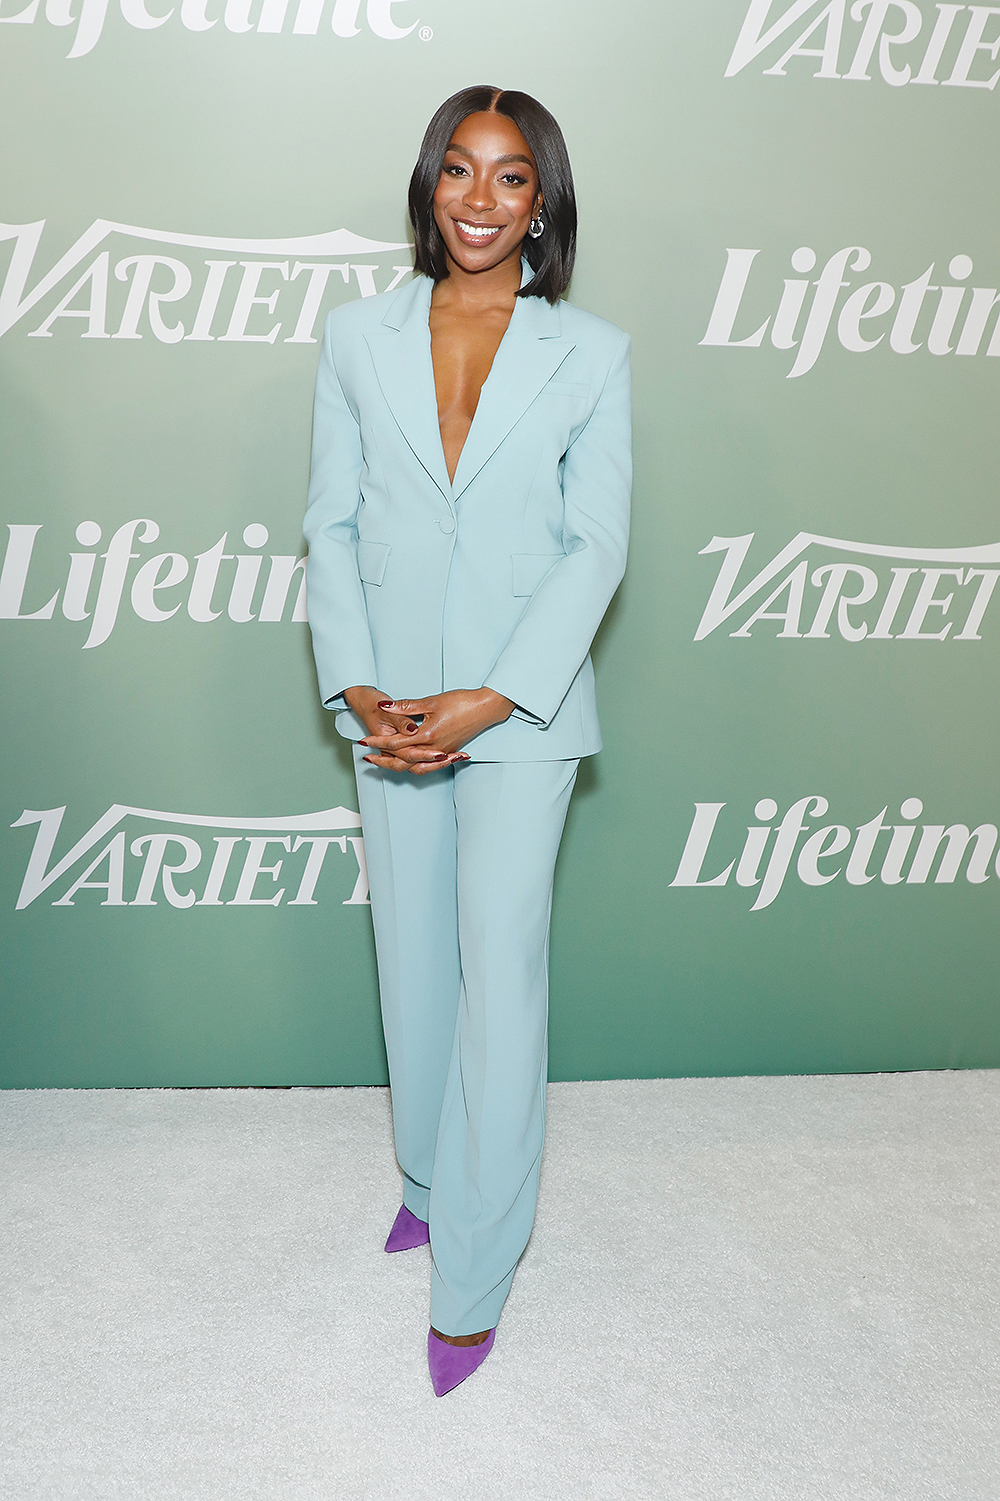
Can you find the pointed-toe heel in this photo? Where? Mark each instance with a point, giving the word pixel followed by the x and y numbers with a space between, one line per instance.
pixel 449 1365
pixel 407 1232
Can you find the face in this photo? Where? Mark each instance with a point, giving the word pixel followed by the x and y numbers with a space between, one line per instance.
pixel 487 194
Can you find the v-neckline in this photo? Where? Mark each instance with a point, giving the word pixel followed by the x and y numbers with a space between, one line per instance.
pixel 479 399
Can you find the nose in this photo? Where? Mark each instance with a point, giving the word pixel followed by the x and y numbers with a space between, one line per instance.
pixel 479 195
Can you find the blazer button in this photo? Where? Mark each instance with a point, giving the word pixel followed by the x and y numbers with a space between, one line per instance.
pixel 447 524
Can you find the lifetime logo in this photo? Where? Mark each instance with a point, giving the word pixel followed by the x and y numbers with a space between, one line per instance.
pixel 903 602
pixel 153 591
pixel 872 842
pixel 232 301
pixel 908 52
pixel 235 15
pixel 947 323
pixel 228 878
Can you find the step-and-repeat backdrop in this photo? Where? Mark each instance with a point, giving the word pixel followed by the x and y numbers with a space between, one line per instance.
pixel 786 858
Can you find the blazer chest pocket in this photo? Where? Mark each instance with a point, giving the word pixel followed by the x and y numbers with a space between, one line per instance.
pixel 372 558
pixel 530 568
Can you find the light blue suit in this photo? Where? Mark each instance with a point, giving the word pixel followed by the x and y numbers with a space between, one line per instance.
pixel 415 586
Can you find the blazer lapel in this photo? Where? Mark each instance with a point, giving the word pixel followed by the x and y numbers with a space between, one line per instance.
pixel 401 353
pixel 530 352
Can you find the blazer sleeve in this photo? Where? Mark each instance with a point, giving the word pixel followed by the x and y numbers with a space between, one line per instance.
pixel 338 616
pixel 552 638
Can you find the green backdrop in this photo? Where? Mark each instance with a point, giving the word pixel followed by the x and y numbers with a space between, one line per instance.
pixel 802 722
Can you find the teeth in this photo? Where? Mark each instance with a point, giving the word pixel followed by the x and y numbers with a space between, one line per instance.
pixel 480 233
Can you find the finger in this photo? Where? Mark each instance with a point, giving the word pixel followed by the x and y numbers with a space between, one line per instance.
pixel 419 736
pixel 394 724
pixel 389 725
pixel 388 740
pixel 422 768
pixel 416 747
pixel 389 760
pixel 390 720
pixel 387 763
pixel 409 706
pixel 414 756
pixel 454 758
pixel 395 744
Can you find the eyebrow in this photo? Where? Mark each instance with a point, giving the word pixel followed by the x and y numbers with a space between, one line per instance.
pixel 501 160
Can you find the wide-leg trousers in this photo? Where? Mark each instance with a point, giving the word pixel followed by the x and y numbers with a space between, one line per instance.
pixel 460 864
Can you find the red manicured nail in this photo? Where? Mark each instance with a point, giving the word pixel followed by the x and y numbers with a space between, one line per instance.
pixel 411 729
pixel 383 703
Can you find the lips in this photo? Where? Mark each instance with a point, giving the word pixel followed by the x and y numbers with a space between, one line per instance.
pixel 476 234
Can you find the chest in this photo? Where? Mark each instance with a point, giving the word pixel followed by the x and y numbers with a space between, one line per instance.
pixel 462 352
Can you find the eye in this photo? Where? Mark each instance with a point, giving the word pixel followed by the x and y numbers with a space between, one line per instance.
pixel 514 179
pixel 454 169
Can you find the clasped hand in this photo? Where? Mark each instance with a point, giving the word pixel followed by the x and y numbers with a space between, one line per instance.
pixel 425 734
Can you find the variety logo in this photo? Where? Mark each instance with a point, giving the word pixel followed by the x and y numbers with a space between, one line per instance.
pixel 896 600
pixel 905 42
pixel 160 586
pixel 386 19
pixel 139 869
pixel 188 297
pixel 889 852
pixel 937 316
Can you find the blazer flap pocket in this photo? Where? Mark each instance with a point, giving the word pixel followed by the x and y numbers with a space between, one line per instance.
pixel 372 558
pixel 530 568
pixel 567 388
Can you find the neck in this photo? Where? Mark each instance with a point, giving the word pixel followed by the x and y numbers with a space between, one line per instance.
pixel 474 290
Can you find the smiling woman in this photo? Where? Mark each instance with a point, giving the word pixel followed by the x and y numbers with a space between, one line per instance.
pixel 467 528
pixel 550 249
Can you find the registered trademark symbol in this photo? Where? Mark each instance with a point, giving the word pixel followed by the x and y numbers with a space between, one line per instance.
pixel 425 33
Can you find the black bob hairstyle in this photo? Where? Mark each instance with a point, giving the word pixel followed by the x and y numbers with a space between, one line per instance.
pixel 551 255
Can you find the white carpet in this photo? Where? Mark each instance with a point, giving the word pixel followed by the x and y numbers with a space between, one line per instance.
pixel 782 1289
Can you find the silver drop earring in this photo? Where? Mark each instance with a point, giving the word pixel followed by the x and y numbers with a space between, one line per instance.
pixel 536 228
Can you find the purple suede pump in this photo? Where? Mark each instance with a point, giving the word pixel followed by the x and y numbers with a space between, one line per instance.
pixel 407 1232
pixel 449 1365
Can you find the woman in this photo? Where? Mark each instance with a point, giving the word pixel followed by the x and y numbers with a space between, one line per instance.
pixel 467 527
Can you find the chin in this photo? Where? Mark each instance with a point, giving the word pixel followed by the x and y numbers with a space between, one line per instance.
pixel 471 260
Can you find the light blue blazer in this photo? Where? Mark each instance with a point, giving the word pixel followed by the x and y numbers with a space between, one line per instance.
pixel 416 585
